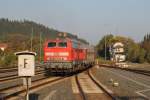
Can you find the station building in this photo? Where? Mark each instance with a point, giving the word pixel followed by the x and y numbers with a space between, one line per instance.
pixel 3 46
pixel 117 53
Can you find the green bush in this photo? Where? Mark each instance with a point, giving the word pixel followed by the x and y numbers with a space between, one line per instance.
pixel 141 57
pixel 148 56
pixel 8 60
pixel 102 61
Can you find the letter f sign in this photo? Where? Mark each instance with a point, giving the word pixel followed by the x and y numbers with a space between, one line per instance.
pixel 25 63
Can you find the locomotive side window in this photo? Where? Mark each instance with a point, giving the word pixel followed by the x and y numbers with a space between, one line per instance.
pixel 52 44
pixel 74 44
pixel 62 44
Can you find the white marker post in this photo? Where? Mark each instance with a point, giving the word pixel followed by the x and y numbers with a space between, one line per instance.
pixel 26 67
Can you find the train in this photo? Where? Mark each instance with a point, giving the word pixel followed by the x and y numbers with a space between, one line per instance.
pixel 68 55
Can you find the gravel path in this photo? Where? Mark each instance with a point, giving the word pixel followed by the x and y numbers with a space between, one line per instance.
pixel 139 66
pixel 129 84
pixel 59 91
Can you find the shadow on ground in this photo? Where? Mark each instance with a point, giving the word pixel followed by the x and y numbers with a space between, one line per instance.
pixel 33 96
pixel 131 98
pixel 51 72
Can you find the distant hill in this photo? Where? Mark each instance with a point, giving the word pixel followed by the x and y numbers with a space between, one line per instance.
pixel 17 36
pixel 25 27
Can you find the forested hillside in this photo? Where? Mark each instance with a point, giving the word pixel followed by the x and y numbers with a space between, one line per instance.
pixel 19 34
pixel 26 27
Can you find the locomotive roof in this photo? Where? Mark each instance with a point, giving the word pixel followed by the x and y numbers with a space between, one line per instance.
pixel 63 39
pixel 71 39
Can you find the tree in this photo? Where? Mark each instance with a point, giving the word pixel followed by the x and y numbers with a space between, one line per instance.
pixel 101 45
pixel 133 52
pixel 145 44
pixel 148 56
pixel 141 58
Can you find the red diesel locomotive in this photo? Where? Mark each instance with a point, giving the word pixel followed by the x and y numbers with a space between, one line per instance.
pixel 67 54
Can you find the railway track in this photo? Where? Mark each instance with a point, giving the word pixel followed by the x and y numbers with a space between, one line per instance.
pixel 5 68
pixel 18 81
pixel 143 72
pixel 9 69
pixel 82 92
pixel 109 93
pixel 14 77
pixel 15 68
pixel 12 93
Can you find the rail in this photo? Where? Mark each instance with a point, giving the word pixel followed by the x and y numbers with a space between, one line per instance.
pixel 82 94
pixel 13 77
pixel 110 94
pixel 143 72
pixel 20 90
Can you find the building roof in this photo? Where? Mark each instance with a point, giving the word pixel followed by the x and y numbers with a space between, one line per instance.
pixel 4 45
pixel 118 44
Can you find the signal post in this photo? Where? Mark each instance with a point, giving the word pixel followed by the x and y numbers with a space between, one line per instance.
pixel 26 68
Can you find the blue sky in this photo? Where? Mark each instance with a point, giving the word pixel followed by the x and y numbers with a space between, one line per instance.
pixel 89 19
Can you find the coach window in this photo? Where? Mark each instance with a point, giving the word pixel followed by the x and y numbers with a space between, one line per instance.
pixel 52 44
pixel 62 44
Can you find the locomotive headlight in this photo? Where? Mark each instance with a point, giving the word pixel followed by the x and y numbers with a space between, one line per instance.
pixel 48 58
pixel 64 58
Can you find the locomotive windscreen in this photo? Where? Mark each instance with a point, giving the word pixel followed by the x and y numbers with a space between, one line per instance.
pixel 62 44
pixel 52 44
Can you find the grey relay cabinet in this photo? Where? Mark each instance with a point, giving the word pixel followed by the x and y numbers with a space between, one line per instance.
pixel 26 63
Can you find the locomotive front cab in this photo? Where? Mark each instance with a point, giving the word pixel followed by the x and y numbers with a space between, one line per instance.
pixel 56 50
pixel 58 54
